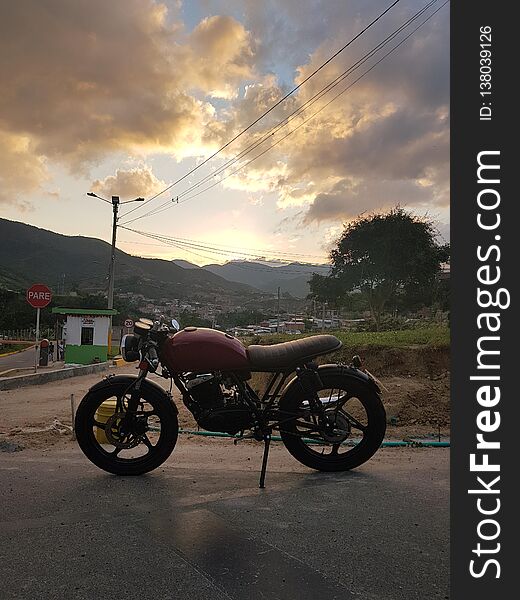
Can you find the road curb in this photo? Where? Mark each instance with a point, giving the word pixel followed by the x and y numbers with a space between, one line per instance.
pixel 6 373
pixel 19 381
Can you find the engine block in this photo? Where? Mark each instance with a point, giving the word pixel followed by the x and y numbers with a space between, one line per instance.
pixel 216 407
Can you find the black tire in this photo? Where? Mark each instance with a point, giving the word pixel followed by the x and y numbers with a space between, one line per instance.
pixel 314 456
pixel 163 410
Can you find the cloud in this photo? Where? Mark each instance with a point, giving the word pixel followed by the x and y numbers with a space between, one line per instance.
pixel 21 169
pixel 129 184
pixel 220 55
pixel 384 141
pixel 88 78
pixel 346 199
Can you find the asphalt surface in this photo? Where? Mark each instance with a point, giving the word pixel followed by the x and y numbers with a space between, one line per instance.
pixel 18 360
pixel 201 529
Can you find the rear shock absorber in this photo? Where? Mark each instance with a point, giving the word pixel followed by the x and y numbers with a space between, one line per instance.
pixel 310 381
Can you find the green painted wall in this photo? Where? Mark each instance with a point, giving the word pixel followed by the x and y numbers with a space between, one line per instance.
pixel 85 355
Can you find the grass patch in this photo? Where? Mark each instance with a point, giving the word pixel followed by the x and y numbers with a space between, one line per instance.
pixel 10 348
pixel 433 337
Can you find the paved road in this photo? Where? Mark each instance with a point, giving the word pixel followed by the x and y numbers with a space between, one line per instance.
pixel 18 360
pixel 22 360
pixel 196 529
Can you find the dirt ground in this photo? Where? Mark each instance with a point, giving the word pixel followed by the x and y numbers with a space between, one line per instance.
pixel 416 398
pixel 416 384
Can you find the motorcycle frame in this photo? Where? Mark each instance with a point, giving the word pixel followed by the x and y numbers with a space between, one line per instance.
pixel 267 414
pixel 262 407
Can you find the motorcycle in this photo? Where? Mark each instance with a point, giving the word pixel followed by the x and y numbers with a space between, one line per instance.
pixel 330 417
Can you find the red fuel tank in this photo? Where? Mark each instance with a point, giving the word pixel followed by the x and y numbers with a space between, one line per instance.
pixel 201 350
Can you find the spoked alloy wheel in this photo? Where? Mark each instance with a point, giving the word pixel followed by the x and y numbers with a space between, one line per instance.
pixel 124 442
pixel 346 434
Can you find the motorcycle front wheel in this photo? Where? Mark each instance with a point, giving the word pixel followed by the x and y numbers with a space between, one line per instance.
pixel 344 433
pixel 123 442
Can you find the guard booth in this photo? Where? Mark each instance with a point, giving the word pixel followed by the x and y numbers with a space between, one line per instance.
pixel 85 334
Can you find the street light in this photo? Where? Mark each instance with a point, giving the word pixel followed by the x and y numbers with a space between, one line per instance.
pixel 110 296
pixel 96 196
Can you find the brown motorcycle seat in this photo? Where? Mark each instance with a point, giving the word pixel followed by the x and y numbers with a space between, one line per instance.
pixel 280 357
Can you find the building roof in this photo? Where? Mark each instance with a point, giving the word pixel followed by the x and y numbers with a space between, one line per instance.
pixel 84 311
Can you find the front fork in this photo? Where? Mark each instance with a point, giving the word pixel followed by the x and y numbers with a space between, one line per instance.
pixel 149 361
pixel 135 391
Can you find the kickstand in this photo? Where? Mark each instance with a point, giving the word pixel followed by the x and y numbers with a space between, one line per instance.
pixel 267 441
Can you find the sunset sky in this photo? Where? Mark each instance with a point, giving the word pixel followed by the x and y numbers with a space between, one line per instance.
pixel 126 96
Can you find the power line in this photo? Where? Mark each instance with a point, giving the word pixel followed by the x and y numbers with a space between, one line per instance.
pixel 167 205
pixel 264 252
pixel 162 208
pixel 223 252
pixel 215 246
pixel 366 28
pixel 211 250
pixel 235 264
pixel 317 96
pixel 193 247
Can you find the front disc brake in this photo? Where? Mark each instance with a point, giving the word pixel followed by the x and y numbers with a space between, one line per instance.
pixel 117 434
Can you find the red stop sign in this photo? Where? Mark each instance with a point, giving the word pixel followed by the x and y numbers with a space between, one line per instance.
pixel 38 295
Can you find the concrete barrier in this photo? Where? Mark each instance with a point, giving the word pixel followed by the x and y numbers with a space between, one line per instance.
pixel 12 383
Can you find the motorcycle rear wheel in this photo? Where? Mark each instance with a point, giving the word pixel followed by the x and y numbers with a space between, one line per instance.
pixel 126 451
pixel 335 451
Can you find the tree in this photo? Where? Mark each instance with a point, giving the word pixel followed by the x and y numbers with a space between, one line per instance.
pixel 388 257
pixel 241 318
pixel 191 319
pixel 326 289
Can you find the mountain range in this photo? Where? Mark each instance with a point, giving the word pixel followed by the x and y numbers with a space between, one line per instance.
pixel 292 278
pixel 30 254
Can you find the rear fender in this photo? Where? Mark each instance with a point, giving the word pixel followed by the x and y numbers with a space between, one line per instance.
pixel 124 381
pixel 335 369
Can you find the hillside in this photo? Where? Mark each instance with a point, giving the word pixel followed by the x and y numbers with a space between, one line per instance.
pixel 29 254
pixel 184 264
pixel 292 278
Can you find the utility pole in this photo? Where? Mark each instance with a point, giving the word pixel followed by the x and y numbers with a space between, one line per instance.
pixel 111 271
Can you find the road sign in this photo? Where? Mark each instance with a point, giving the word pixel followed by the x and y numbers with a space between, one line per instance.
pixel 129 323
pixel 38 295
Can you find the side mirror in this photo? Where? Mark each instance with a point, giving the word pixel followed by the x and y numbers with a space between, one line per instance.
pixel 175 324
